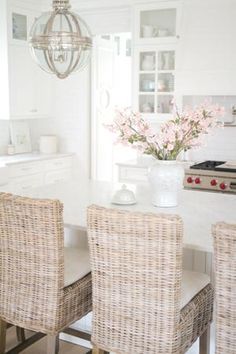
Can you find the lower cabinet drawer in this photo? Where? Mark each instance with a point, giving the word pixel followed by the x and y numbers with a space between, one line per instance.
pixel 57 176
pixel 25 169
pixel 27 182
pixel 129 174
pixel 58 163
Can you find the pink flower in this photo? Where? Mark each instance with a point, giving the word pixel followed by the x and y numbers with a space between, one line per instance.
pixel 183 132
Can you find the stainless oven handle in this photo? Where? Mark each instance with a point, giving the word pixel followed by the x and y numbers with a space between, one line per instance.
pixel 232 185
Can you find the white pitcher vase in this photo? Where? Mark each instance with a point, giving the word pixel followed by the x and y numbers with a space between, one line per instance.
pixel 166 180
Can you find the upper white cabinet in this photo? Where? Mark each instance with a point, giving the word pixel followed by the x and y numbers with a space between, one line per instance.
pixel 155 79
pixel 156 37
pixel 27 89
pixel 157 22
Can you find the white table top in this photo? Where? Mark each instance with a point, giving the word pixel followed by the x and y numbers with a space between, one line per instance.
pixel 199 209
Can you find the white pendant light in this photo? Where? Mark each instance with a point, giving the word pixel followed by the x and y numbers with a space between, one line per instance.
pixel 60 41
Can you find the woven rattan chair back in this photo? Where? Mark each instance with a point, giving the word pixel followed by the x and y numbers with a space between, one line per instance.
pixel 136 262
pixel 225 287
pixel 31 258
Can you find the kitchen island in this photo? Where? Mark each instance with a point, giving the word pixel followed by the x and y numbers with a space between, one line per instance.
pixel 198 209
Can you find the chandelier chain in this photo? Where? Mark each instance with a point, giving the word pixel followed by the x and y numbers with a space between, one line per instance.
pixel 61 4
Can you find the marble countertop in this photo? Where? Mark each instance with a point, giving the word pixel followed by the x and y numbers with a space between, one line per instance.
pixel 23 158
pixel 146 162
pixel 199 209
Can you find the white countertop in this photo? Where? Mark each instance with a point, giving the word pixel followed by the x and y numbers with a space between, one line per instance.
pixel 199 209
pixel 145 162
pixel 22 158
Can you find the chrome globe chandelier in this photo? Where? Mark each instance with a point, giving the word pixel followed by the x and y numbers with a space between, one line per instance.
pixel 60 41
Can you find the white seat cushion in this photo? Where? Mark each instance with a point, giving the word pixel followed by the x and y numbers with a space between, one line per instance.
pixel 192 283
pixel 77 264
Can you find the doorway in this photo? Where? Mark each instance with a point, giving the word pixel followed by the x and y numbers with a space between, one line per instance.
pixel 111 88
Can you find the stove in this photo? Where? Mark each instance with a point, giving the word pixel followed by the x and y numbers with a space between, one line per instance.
pixel 217 176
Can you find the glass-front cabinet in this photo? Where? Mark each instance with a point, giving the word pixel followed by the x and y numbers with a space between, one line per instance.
pixel 155 79
pixel 157 21
pixel 156 36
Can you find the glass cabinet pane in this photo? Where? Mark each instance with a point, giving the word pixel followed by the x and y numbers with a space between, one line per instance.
pixel 146 103
pixel 147 61
pixel 166 60
pixel 158 23
pixel 165 104
pixel 165 82
pixel 147 83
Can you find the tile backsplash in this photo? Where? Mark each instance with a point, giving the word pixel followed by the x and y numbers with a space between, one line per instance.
pixel 228 102
pixel 219 145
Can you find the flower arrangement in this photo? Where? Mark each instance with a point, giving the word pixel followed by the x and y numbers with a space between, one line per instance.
pixel 183 132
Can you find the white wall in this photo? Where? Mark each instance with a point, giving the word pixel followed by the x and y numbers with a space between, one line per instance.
pixel 71 121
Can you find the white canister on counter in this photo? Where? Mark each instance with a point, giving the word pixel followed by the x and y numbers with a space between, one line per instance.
pixel 48 144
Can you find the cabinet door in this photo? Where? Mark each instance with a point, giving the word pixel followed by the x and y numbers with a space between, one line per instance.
pixel 157 22
pixel 154 84
pixel 30 87
pixel 22 83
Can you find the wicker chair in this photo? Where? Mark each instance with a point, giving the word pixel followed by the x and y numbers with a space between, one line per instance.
pixel 136 264
pixel 225 287
pixel 37 290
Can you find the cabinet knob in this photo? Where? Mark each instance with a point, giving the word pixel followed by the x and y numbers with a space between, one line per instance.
pixel 34 110
pixel 178 36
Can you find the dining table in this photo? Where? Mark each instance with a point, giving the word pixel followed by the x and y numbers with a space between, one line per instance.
pixel 198 209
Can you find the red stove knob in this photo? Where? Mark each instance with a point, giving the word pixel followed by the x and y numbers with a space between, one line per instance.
pixel 214 182
pixel 189 180
pixel 223 186
pixel 197 180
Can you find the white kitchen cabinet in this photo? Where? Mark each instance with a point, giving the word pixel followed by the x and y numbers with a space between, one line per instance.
pixel 60 163
pixel 24 169
pixel 30 88
pixel 27 89
pixel 132 174
pixel 154 80
pixel 57 176
pixel 157 22
pixel 27 175
pixel 26 182
pixel 156 37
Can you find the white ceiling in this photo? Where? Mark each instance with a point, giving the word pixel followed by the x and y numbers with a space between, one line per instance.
pixel 95 4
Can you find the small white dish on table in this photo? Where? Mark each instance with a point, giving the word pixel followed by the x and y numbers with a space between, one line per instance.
pixel 124 196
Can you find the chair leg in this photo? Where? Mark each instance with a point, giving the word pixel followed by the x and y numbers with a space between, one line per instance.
pixel 204 342
pixel 98 351
pixel 20 333
pixel 52 344
pixel 3 328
